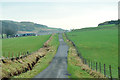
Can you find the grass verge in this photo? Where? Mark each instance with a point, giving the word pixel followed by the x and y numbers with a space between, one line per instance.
pixel 75 66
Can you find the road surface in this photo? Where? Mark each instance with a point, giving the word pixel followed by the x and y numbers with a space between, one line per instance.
pixel 58 66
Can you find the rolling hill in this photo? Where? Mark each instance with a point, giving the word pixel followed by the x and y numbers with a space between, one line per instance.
pixel 24 26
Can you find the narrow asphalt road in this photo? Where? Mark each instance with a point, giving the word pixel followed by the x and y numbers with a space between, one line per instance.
pixel 58 66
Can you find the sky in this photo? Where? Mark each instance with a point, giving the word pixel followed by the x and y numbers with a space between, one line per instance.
pixel 66 14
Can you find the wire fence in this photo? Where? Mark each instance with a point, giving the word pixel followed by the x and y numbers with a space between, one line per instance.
pixel 105 69
pixel 15 56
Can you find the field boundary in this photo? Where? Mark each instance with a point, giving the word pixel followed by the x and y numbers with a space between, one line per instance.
pixel 25 63
pixel 91 64
pixel 21 55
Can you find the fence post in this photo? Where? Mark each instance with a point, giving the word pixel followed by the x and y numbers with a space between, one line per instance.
pixel 9 54
pixel 119 72
pixel 86 61
pixel 27 52
pixel 104 71
pixel 19 54
pixel 83 61
pixel 4 54
pixel 12 54
pixel 100 67
pixel 24 53
pixel 16 54
pixel 91 64
pixel 110 72
pixel 96 66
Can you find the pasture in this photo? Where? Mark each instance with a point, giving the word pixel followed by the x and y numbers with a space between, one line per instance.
pixel 14 46
pixel 98 45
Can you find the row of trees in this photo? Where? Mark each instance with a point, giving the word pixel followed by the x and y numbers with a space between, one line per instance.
pixel 8 28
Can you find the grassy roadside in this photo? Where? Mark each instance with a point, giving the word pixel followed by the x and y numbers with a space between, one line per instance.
pixel 43 62
pixel 75 67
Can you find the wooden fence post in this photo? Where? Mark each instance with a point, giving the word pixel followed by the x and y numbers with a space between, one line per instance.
pixel 91 64
pixel 19 54
pixel 9 54
pixel 27 52
pixel 12 54
pixel 24 53
pixel 110 72
pixel 16 54
pixel 83 60
pixel 96 66
pixel 100 67
pixel 104 71
pixel 4 54
pixel 119 72
pixel 86 61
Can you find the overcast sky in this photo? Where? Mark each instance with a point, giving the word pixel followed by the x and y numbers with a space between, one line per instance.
pixel 66 14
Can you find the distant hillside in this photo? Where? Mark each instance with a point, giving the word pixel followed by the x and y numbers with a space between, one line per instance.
pixel 27 26
pixel 112 22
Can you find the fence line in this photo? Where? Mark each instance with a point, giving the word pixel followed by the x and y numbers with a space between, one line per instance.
pixel 94 65
pixel 15 56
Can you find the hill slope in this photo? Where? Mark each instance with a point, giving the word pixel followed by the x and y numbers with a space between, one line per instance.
pixel 28 26
pixel 112 22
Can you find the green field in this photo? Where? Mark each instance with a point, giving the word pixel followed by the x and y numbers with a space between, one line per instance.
pixel 0 47
pixel 99 45
pixel 21 45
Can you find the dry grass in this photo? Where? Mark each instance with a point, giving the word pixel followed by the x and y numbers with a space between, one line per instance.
pixel 11 68
pixel 44 62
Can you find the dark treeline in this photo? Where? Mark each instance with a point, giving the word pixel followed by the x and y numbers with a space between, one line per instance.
pixel 116 22
pixel 9 29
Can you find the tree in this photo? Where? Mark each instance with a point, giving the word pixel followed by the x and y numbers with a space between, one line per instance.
pixel 1 29
pixel 9 28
